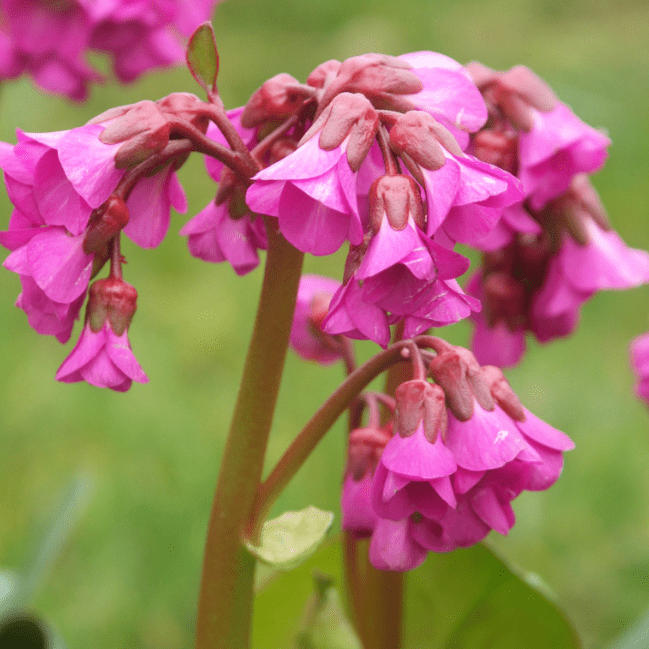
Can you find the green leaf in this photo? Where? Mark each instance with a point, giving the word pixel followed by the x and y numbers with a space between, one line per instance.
pixel 291 538
pixel 470 599
pixel 326 626
pixel 202 57
pixel 279 607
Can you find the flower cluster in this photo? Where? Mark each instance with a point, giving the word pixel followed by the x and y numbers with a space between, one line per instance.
pixel 463 448
pixel 48 40
pixel 74 192
pixel 555 249
pixel 371 151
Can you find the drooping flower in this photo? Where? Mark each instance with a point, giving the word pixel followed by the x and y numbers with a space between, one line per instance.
pixel 312 304
pixel 539 283
pixel 463 449
pixel 103 355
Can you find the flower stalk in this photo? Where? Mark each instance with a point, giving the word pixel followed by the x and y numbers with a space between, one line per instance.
pixel 225 601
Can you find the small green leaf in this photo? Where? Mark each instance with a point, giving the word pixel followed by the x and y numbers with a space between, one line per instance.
pixel 291 538
pixel 203 57
pixel 325 624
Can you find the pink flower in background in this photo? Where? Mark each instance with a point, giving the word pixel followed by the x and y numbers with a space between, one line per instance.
pixel 557 148
pixel 639 351
pixel 312 304
pixel 48 40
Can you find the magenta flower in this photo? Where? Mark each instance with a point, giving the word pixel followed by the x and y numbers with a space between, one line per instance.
pixel 449 481
pixel 47 43
pixel 313 190
pixel 48 40
pixel 103 356
pixel 141 36
pixel 639 351
pixel 557 147
pixel 448 94
pixel 213 235
pixel 539 285
pixel 312 304
pixel 102 359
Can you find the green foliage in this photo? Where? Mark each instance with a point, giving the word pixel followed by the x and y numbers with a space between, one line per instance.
pixel 289 539
pixel 466 599
pixel 203 57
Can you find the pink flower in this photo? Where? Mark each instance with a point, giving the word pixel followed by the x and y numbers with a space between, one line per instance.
pixel 215 236
pixel 48 40
pixel 557 147
pixel 639 351
pixel 449 480
pixel 312 304
pixel 103 355
pixel 312 191
pixel 448 94
pixel 48 44
pixel 102 359
pixel 144 35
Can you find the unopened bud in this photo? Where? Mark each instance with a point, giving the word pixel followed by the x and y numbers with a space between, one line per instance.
pixel 111 300
pixel 397 198
pixel 324 73
pixel 422 137
pixel 497 148
pixel 502 392
pixel 347 115
pixel 457 372
pixel 278 98
pixel 185 106
pixel 105 222
pixel 365 449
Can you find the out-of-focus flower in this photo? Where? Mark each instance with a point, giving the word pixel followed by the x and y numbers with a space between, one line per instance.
pixel 639 351
pixel 48 40
pixel 312 304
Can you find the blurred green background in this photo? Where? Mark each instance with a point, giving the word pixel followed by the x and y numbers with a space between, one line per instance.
pixel 129 576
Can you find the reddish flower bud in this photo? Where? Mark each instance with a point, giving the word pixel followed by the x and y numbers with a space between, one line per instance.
pixel 376 75
pixel 348 114
pixel 497 148
pixel 422 137
pixel 398 198
pixel 502 392
pixel 186 106
pixel 111 300
pixel 324 73
pixel 278 98
pixel 105 222
pixel 419 400
pixel 365 448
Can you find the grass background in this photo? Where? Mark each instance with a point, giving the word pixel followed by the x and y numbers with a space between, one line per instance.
pixel 129 575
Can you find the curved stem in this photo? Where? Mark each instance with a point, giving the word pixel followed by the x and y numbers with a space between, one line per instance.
pixel 313 432
pixel 225 601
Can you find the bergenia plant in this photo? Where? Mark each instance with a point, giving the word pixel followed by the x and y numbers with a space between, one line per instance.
pixel 394 159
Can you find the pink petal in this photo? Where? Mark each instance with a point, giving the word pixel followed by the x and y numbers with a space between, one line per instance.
pixel 392 547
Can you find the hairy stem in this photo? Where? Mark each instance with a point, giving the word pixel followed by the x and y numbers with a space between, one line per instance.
pixel 225 601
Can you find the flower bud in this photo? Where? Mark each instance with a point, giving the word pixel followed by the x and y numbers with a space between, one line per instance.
pixel 365 448
pixel 278 98
pixel 111 300
pixel 397 198
pixel 502 392
pixel 347 115
pixel 419 400
pixel 422 137
pixel 105 222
